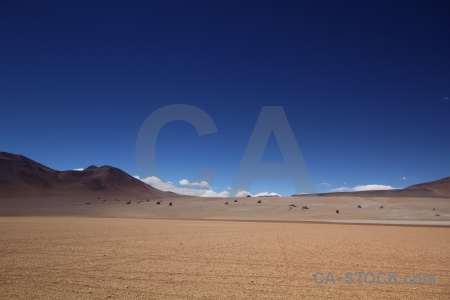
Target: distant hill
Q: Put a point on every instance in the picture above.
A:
(433, 189)
(23, 177)
(440, 186)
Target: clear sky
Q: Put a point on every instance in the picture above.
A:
(365, 86)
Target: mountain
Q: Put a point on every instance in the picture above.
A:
(440, 186)
(433, 189)
(23, 177)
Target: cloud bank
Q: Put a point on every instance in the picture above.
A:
(187, 183)
(198, 189)
(171, 187)
(360, 188)
(262, 194)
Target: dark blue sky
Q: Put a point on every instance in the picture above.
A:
(365, 85)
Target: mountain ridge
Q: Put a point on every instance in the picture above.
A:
(439, 188)
(21, 176)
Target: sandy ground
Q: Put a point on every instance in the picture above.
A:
(396, 210)
(122, 258)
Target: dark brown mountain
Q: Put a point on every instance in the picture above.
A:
(23, 177)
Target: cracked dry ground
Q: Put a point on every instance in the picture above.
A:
(109, 258)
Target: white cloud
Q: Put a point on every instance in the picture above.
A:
(243, 193)
(325, 184)
(266, 194)
(158, 183)
(79, 169)
(171, 187)
(446, 98)
(201, 183)
(185, 190)
(373, 187)
(368, 187)
(211, 193)
(403, 178)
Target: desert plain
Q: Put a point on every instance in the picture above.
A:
(206, 249)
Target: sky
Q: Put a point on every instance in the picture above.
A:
(364, 86)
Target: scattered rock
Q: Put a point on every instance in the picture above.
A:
(88, 203)
(159, 202)
(337, 211)
(226, 203)
(436, 215)
(305, 207)
(129, 202)
(235, 200)
(170, 204)
(434, 208)
(259, 201)
(248, 196)
(359, 206)
(381, 207)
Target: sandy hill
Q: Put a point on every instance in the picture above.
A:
(440, 187)
(23, 177)
(433, 189)
(387, 193)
